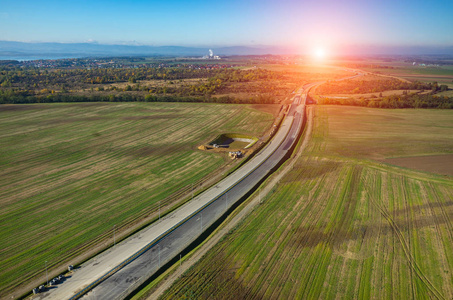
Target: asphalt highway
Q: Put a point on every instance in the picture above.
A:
(119, 270)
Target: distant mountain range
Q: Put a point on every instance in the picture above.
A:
(20, 49)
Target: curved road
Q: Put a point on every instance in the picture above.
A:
(119, 270)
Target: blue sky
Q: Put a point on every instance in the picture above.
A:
(225, 23)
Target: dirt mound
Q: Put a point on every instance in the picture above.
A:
(233, 141)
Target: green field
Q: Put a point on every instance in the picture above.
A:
(384, 133)
(70, 172)
(341, 225)
(442, 74)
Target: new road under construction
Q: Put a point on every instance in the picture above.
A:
(118, 271)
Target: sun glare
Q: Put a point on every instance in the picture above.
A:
(319, 52)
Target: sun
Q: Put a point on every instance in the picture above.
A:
(319, 52)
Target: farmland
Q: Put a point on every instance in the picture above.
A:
(341, 224)
(393, 83)
(71, 173)
(442, 75)
(379, 134)
(425, 69)
(364, 84)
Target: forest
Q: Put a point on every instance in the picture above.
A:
(171, 84)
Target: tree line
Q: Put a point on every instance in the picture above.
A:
(59, 98)
(374, 86)
(34, 77)
(411, 100)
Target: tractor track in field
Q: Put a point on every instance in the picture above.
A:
(397, 247)
(447, 222)
(406, 249)
(75, 173)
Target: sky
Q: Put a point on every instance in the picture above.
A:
(332, 24)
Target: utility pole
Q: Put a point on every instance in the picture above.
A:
(159, 210)
(114, 238)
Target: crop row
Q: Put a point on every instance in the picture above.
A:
(335, 227)
(70, 173)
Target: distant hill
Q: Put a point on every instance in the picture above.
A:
(20, 49)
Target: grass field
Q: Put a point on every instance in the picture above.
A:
(70, 172)
(342, 225)
(442, 75)
(384, 133)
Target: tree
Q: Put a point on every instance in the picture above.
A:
(434, 86)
